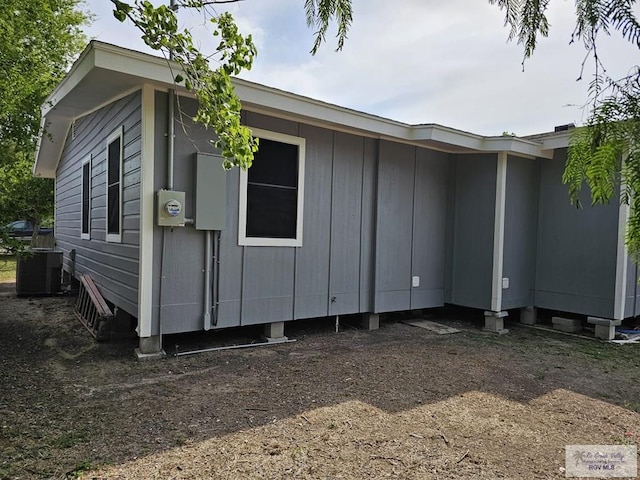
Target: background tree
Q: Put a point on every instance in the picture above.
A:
(39, 40)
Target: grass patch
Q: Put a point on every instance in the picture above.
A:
(68, 440)
(80, 469)
(7, 268)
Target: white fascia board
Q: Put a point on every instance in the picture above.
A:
(446, 135)
(269, 98)
(50, 146)
(138, 64)
(159, 72)
(559, 140)
(82, 66)
(97, 55)
(263, 98)
(552, 140)
(514, 145)
(39, 144)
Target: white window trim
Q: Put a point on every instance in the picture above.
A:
(114, 237)
(85, 236)
(242, 210)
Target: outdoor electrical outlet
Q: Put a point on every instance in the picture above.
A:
(505, 283)
(415, 281)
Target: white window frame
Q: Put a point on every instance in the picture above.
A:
(114, 237)
(243, 240)
(87, 235)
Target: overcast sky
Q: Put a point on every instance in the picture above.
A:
(416, 61)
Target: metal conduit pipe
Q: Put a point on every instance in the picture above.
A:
(170, 162)
(171, 140)
(234, 347)
(216, 276)
(207, 280)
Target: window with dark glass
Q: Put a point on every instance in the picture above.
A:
(114, 166)
(86, 199)
(272, 191)
(271, 201)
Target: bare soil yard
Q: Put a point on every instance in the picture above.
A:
(400, 402)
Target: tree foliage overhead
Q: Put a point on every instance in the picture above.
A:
(218, 105)
(209, 77)
(39, 40)
(320, 14)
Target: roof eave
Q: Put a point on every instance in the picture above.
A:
(126, 68)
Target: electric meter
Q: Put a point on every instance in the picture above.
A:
(170, 208)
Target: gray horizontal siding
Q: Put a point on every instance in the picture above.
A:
(113, 266)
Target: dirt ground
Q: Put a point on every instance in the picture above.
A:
(400, 402)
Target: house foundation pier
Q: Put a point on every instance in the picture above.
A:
(494, 322)
(274, 332)
(605, 328)
(370, 321)
(149, 348)
(529, 315)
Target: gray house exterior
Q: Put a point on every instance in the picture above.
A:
(364, 215)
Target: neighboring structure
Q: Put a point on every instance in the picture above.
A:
(342, 212)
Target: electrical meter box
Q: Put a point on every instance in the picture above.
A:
(170, 208)
(210, 200)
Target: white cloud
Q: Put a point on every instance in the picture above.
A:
(418, 61)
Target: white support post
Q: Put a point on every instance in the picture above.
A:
(145, 264)
(498, 233)
(622, 262)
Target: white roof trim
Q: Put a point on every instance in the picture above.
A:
(126, 69)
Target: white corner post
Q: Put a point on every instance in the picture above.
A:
(149, 340)
(494, 319)
(622, 263)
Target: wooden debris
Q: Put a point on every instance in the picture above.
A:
(466, 454)
(388, 459)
